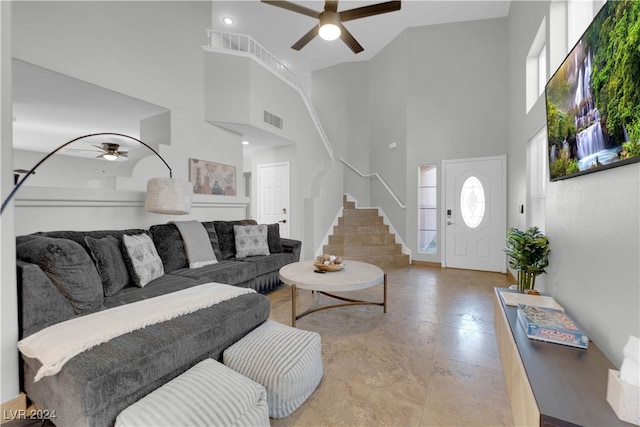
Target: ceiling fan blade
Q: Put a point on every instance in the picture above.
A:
(331, 5)
(83, 149)
(306, 38)
(374, 9)
(123, 154)
(98, 146)
(293, 7)
(350, 41)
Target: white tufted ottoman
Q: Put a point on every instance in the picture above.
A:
(285, 360)
(208, 394)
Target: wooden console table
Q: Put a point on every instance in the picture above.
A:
(550, 384)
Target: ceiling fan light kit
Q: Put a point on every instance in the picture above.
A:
(111, 152)
(330, 21)
(329, 25)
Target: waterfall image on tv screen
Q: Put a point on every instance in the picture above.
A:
(593, 100)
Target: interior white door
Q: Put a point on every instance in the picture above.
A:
(475, 213)
(273, 195)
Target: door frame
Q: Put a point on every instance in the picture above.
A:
(257, 195)
(443, 200)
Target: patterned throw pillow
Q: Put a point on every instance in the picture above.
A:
(145, 261)
(251, 240)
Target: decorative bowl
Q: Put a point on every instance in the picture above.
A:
(330, 267)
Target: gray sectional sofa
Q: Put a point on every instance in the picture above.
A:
(57, 274)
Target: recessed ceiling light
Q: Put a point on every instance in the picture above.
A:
(227, 20)
(245, 142)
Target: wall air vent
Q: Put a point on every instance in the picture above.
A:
(272, 119)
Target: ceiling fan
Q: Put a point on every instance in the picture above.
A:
(330, 20)
(110, 151)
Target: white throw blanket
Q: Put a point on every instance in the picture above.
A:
(56, 344)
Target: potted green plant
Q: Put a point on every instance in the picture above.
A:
(528, 253)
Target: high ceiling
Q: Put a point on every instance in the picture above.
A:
(276, 29)
(44, 101)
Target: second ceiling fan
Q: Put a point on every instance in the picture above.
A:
(330, 21)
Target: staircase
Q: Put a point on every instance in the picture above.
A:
(361, 235)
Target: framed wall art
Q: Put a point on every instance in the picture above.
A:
(212, 178)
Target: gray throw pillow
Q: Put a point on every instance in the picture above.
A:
(273, 238)
(145, 261)
(251, 240)
(170, 247)
(213, 238)
(68, 266)
(107, 256)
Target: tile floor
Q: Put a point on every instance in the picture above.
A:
(431, 360)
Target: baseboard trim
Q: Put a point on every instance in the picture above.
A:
(14, 408)
(426, 264)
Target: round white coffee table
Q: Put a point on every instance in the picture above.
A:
(354, 276)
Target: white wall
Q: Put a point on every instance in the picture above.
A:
(161, 64)
(314, 177)
(341, 98)
(438, 92)
(148, 50)
(388, 75)
(592, 221)
(9, 387)
(456, 105)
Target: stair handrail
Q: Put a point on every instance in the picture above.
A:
(243, 44)
(377, 175)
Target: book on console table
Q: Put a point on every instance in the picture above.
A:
(550, 325)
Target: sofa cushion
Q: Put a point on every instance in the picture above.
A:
(107, 255)
(228, 271)
(67, 265)
(251, 240)
(267, 264)
(226, 236)
(273, 238)
(145, 263)
(162, 285)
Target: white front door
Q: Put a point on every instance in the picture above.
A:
(273, 195)
(475, 213)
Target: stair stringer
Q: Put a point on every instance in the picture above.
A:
(325, 240)
(385, 220)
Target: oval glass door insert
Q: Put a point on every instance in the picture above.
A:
(472, 202)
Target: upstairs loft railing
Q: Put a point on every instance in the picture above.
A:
(245, 45)
(241, 44)
(376, 175)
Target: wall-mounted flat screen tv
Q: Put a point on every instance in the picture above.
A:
(593, 99)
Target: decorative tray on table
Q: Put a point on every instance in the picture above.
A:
(329, 263)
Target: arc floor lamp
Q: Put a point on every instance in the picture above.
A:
(164, 195)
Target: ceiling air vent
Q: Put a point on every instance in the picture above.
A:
(272, 119)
